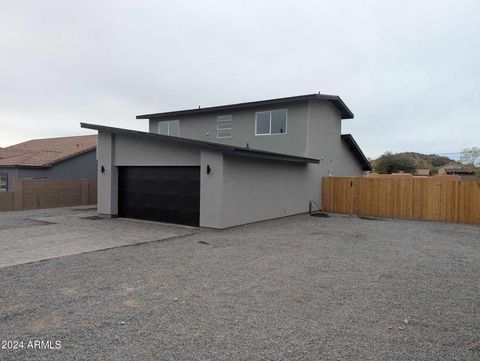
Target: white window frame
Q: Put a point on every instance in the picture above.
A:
(168, 127)
(270, 123)
(4, 175)
(224, 120)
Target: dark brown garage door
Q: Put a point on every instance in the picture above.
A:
(164, 194)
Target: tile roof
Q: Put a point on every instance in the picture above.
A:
(46, 152)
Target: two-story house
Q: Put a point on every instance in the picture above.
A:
(226, 165)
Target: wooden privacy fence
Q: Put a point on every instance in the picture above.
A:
(48, 193)
(410, 198)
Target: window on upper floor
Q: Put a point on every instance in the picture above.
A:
(224, 126)
(271, 122)
(170, 127)
(3, 182)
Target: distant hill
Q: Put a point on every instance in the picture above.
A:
(426, 161)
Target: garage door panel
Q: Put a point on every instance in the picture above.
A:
(170, 186)
(165, 194)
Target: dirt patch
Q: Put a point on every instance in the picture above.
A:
(43, 323)
(131, 303)
(66, 291)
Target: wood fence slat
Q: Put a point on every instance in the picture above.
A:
(409, 198)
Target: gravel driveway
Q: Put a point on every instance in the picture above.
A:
(298, 288)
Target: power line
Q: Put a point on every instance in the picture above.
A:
(456, 125)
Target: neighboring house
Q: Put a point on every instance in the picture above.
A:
(443, 170)
(427, 172)
(465, 173)
(226, 165)
(67, 158)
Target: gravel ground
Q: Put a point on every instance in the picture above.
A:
(298, 288)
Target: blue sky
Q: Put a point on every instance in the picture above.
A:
(409, 70)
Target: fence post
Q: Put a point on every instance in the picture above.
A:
(457, 203)
(353, 182)
(410, 212)
(18, 194)
(83, 192)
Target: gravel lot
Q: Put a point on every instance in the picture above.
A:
(298, 288)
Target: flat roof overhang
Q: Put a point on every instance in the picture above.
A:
(223, 148)
(334, 99)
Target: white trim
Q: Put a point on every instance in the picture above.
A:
(270, 122)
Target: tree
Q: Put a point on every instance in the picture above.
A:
(471, 156)
(394, 163)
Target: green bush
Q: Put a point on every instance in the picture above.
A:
(394, 163)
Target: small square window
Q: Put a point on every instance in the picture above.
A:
(170, 127)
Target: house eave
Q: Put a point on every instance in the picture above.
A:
(357, 152)
(228, 149)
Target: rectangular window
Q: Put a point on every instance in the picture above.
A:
(171, 127)
(271, 122)
(3, 182)
(224, 126)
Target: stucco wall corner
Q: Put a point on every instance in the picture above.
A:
(211, 189)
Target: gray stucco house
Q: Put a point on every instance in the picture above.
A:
(57, 158)
(227, 165)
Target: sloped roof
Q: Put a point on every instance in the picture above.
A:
(224, 148)
(46, 152)
(334, 99)
(357, 152)
(450, 165)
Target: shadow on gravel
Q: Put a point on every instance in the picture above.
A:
(320, 214)
(25, 223)
(92, 218)
(370, 218)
